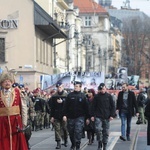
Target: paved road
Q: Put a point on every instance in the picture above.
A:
(44, 139)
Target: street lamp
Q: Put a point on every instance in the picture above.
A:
(76, 36)
(100, 54)
(93, 49)
(105, 59)
(68, 29)
(86, 42)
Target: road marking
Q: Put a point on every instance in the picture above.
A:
(113, 138)
(114, 133)
(112, 142)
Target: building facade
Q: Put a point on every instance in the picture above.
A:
(26, 40)
(96, 33)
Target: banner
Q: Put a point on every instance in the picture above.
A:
(122, 73)
(88, 79)
(110, 84)
(134, 80)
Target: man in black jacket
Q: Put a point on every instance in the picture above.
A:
(103, 111)
(39, 109)
(75, 112)
(126, 103)
(58, 100)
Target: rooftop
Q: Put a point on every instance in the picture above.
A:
(126, 13)
(89, 6)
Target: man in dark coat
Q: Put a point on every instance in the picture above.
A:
(58, 100)
(126, 103)
(75, 112)
(103, 111)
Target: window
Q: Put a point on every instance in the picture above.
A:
(47, 54)
(44, 53)
(87, 21)
(2, 50)
(41, 51)
(89, 61)
(37, 49)
(89, 42)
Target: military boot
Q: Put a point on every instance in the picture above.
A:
(58, 145)
(41, 127)
(99, 145)
(77, 145)
(72, 147)
(104, 146)
(65, 142)
(36, 128)
(28, 144)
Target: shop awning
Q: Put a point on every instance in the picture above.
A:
(45, 22)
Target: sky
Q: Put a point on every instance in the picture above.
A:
(143, 5)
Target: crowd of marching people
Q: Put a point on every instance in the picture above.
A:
(45, 110)
(70, 113)
(53, 109)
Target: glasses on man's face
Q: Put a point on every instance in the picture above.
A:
(123, 87)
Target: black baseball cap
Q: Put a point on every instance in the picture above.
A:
(100, 87)
(15, 85)
(59, 83)
(21, 86)
(77, 82)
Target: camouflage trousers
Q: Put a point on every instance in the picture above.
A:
(38, 120)
(102, 129)
(61, 131)
(47, 120)
(75, 129)
(42, 119)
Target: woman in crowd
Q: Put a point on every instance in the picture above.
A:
(90, 128)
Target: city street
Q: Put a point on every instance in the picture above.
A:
(44, 139)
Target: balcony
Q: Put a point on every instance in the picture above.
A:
(45, 23)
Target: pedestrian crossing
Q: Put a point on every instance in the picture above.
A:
(113, 138)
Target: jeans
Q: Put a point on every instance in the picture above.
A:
(125, 119)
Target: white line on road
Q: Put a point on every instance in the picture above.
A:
(112, 144)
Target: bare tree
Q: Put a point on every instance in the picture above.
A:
(136, 45)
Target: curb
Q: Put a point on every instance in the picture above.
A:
(135, 139)
(84, 145)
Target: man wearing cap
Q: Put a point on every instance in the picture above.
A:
(30, 113)
(75, 112)
(39, 109)
(13, 115)
(60, 126)
(103, 111)
(15, 85)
